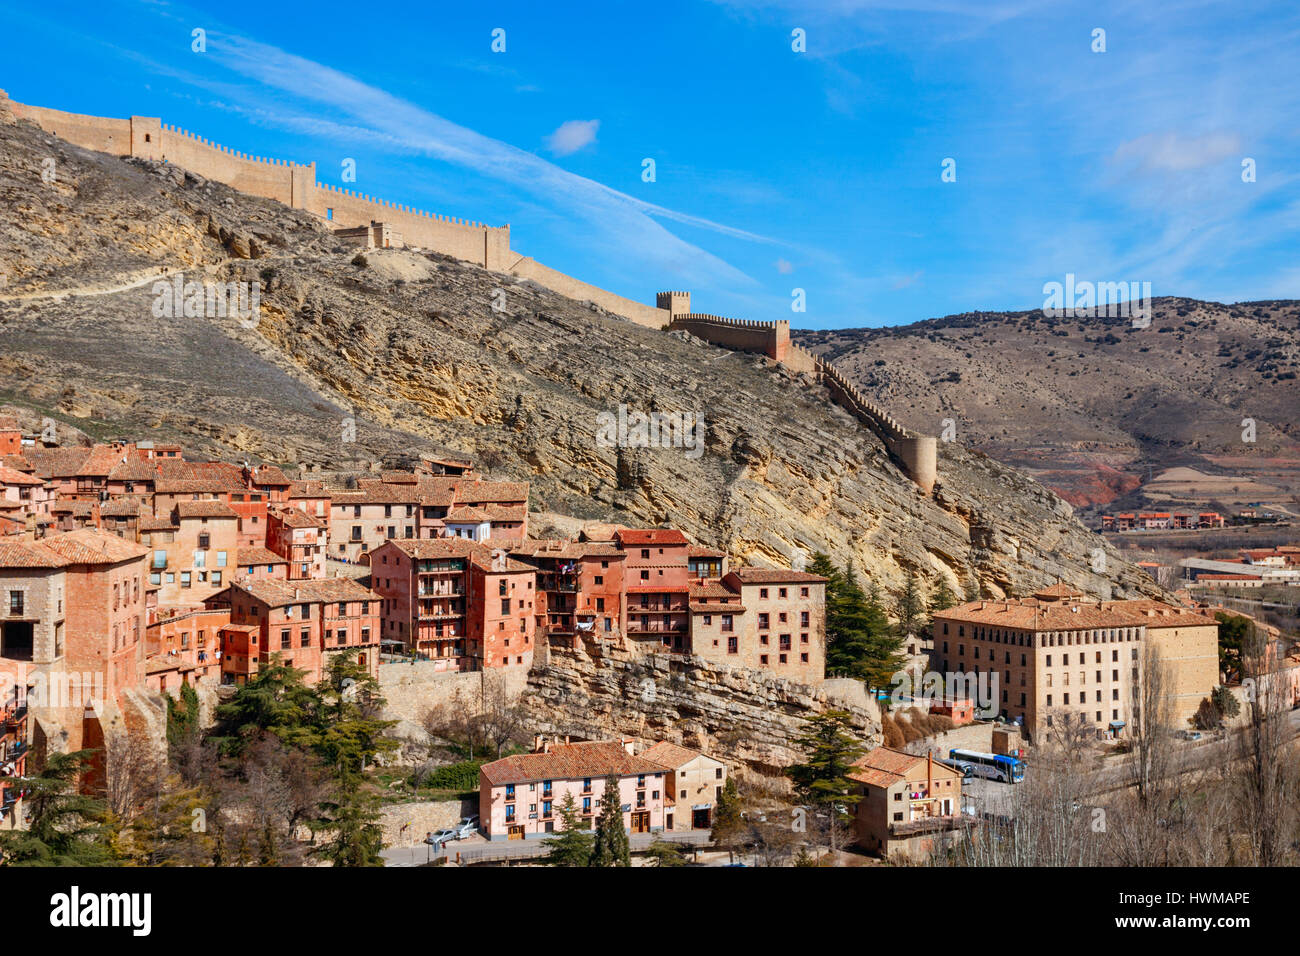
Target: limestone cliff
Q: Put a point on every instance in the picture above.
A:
(749, 718)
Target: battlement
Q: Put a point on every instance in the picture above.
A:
(377, 221)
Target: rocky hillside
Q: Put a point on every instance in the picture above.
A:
(426, 352)
(1093, 406)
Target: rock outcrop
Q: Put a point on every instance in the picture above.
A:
(749, 718)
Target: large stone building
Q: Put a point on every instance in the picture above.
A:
(1057, 653)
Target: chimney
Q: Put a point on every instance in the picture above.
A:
(629, 745)
(537, 743)
(297, 593)
(566, 740)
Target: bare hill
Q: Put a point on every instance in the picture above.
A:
(1094, 406)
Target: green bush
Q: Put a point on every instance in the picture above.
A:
(461, 776)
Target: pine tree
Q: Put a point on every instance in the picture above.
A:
(909, 608)
(612, 847)
(67, 827)
(728, 823)
(943, 596)
(830, 747)
(860, 642)
(573, 846)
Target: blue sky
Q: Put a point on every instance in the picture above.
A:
(775, 169)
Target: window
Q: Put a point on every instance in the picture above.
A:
(286, 640)
(733, 645)
(762, 593)
(15, 602)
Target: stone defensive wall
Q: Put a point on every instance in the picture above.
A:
(641, 314)
(917, 454)
(295, 185)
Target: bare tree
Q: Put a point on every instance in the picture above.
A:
(1268, 780)
(1150, 730)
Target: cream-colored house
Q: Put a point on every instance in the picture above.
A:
(692, 788)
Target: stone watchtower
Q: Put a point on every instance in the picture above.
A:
(677, 303)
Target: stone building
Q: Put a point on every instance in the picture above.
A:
(1057, 653)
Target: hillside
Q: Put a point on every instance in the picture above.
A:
(412, 347)
(1094, 407)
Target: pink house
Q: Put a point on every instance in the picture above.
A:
(520, 797)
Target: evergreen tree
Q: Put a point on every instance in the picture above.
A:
(666, 853)
(822, 780)
(573, 847)
(909, 609)
(612, 847)
(275, 701)
(729, 824)
(943, 596)
(858, 637)
(67, 827)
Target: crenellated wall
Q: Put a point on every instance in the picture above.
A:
(295, 185)
(917, 454)
(746, 335)
(638, 312)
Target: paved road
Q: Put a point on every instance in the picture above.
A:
(479, 850)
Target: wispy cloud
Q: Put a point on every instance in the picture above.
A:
(572, 136)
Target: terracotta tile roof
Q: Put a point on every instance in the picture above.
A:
(638, 537)
(399, 477)
(463, 515)
(296, 518)
(326, 590)
(29, 554)
(270, 476)
(134, 469)
(567, 550)
(600, 531)
(427, 548)
(93, 546)
(101, 460)
(578, 761)
(698, 551)
(712, 607)
(775, 576)
(671, 755)
(156, 523)
(497, 512)
(80, 509)
(10, 476)
(712, 590)
(1058, 615)
(248, 557)
(309, 489)
(204, 509)
(884, 767)
(17, 463)
(120, 508)
(491, 492)
(1058, 590)
(58, 462)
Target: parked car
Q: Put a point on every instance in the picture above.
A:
(467, 827)
(441, 837)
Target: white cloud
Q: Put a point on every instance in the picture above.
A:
(572, 136)
(1171, 152)
(784, 266)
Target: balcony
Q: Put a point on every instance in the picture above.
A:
(927, 825)
(637, 628)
